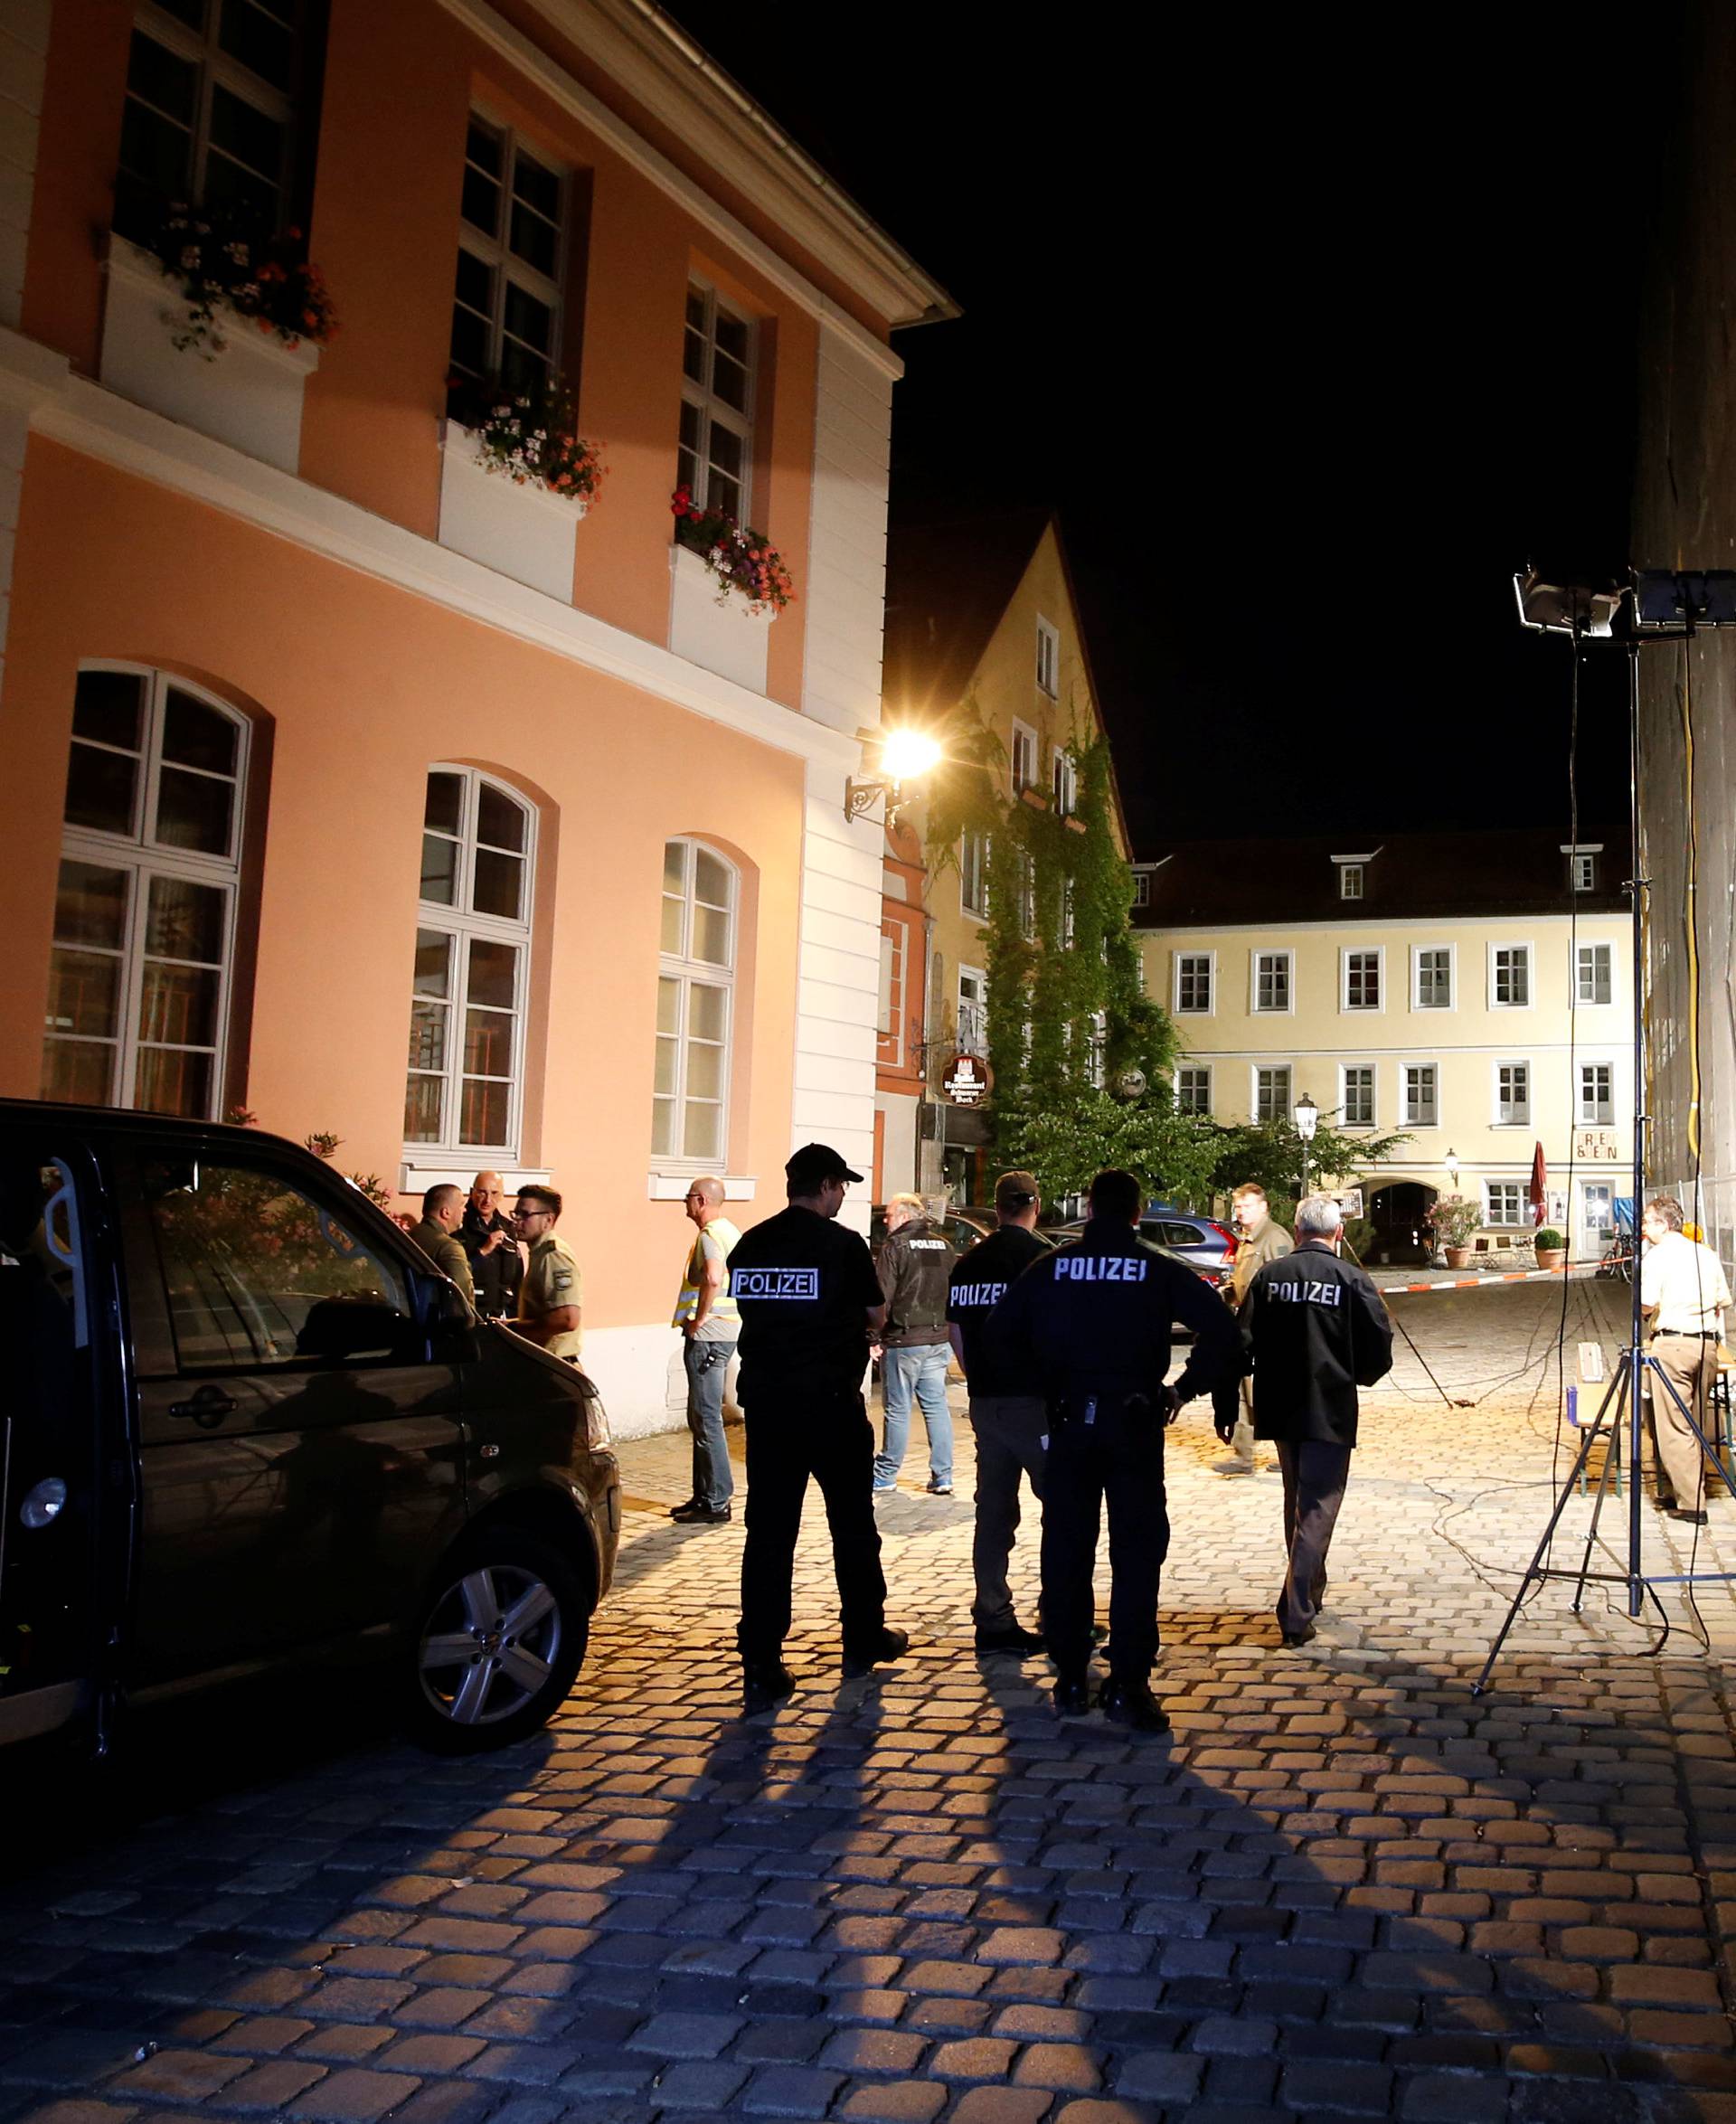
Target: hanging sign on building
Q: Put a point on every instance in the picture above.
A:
(967, 1079)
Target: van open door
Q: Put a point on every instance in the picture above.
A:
(53, 1369)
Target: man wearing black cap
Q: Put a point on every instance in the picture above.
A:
(809, 1302)
(1091, 1322)
(1007, 1416)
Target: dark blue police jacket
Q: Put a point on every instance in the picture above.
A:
(1095, 1315)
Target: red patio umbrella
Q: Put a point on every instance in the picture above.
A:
(1539, 1187)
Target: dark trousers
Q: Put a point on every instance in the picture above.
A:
(1117, 1460)
(829, 1437)
(1009, 1431)
(1315, 1474)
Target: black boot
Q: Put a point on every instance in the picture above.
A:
(1132, 1703)
(1073, 1696)
(764, 1682)
(880, 1651)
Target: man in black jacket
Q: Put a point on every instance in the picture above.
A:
(1316, 1330)
(915, 1263)
(491, 1244)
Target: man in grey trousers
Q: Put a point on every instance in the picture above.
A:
(1316, 1329)
(1009, 1419)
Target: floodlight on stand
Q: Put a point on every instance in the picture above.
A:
(1567, 607)
(906, 755)
(1684, 598)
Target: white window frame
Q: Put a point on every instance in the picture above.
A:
(1522, 1119)
(1142, 888)
(457, 922)
(1021, 757)
(1288, 1008)
(970, 872)
(1410, 1115)
(1531, 973)
(143, 859)
(1255, 1071)
(1582, 1001)
(1593, 1115)
(1417, 951)
(1378, 953)
(1063, 781)
(1048, 658)
(970, 1014)
(218, 69)
(496, 252)
(701, 973)
(1184, 1010)
(1350, 881)
(889, 1024)
(1200, 1070)
(710, 409)
(1345, 1070)
(1511, 1191)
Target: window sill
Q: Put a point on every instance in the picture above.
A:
(519, 529)
(423, 1168)
(664, 1187)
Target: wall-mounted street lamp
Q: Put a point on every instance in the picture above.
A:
(1451, 1162)
(906, 755)
(1307, 1117)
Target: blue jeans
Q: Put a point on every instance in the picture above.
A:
(920, 1372)
(708, 1365)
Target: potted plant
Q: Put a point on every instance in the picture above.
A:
(1550, 1246)
(531, 435)
(1455, 1221)
(740, 559)
(517, 477)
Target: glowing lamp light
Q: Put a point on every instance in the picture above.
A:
(906, 755)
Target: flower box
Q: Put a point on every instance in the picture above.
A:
(720, 632)
(516, 528)
(249, 396)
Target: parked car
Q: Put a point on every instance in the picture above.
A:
(1202, 1242)
(248, 1422)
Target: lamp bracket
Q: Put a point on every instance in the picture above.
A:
(859, 798)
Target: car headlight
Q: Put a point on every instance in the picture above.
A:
(597, 1430)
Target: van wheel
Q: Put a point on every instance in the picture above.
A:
(502, 1637)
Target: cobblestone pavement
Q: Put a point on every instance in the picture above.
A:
(1343, 1887)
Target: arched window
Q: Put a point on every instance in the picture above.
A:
(696, 993)
(145, 913)
(472, 943)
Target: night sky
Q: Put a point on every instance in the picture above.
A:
(1310, 334)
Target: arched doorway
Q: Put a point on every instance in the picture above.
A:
(1397, 1212)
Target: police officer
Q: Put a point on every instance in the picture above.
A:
(810, 1300)
(1316, 1329)
(551, 1297)
(1091, 1323)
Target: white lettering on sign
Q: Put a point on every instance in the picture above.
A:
(931, 1246)
(775, 1283)
(977, 1294)
(1100, 1269)
(1308, 1293)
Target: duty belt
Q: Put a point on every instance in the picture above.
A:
(1085, 1409)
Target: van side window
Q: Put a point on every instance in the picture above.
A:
(259, 1273)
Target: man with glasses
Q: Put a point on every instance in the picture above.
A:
(491, 1247)
(809, 1299)
(550, 1295)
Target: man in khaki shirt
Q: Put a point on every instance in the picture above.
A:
(1260, 1238)
(443, 1213)
(550, 1297)
(1683, 1287)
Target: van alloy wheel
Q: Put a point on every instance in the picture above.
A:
(502, 1637)
(493, 1644)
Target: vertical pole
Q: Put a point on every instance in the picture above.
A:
(1635, 1362)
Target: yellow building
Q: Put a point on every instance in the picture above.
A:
(979, 611)
(1471, 990)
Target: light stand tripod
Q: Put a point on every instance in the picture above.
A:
(1695, 600)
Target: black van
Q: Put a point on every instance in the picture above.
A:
(244, 1420)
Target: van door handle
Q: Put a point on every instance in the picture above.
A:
(207, 1408)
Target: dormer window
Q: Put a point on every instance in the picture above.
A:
(1582, 866)
(1353, 872)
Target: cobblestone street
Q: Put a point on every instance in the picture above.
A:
(1343, 1886)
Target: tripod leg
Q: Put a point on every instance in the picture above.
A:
(1534, 1569)
(1616, 1391)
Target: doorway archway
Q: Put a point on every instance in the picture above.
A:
(1397, 1212)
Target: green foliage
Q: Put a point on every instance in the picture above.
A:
(1270, 1152)
(1455, 1219)
(1061, 969)
(1359, 1237)
(324, 1145)
(1547, 1238)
